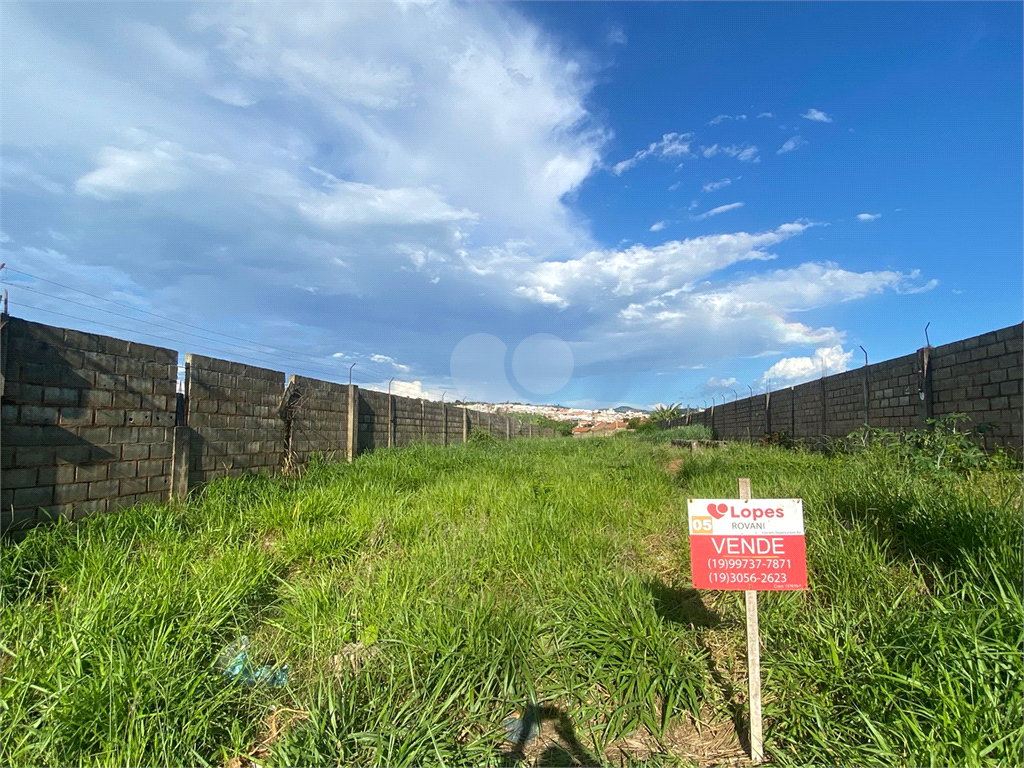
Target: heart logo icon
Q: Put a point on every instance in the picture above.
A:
(717, 511)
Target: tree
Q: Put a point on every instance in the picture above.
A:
(667, 412)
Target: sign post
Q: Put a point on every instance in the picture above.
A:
(748, 545)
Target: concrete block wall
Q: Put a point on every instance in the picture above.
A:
(980, 376)
(895, 389)
(318, 413)
(233, 418)
(87, 422)
(409, 424)
(373, 420)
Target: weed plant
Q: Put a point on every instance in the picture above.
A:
(422, 595)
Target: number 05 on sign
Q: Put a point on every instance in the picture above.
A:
(750, 544)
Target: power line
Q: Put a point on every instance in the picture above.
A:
(285, 358)
(166, 338)
(153, 314)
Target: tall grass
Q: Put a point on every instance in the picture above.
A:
(422, 595)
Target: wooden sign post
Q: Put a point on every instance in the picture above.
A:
(748, 545)
(753, 657)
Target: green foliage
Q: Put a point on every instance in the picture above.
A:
(941, 451)
(667, 412)
(777, 438)
(562, 428)
(648, 427)
(690, 432)
(457, 584)
(479, 437)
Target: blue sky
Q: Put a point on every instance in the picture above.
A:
(581, 203)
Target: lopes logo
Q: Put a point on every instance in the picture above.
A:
(718, 511)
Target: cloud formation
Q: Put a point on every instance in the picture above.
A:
(385, 177)
(672, 145)
(790, 145)
(796, 370)
(711, 186)
(868, 216)
(816, 115)
(718, 210)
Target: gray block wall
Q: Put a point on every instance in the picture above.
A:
(980, 377)
(87, 423)
(318, 418)
(233, 418)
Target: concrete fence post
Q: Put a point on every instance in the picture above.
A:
(768, 413)
(465, 424)
(924, 389)
(444, 423)
(865, 386)
(352, 442)
(423, 420)
(824, 409)
(179, 463)
(508, 427)
(391, 421)
(792, 414)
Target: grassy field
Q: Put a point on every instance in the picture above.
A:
(421, 596)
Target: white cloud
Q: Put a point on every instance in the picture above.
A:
(744, 152)
(351, 203)
(377, 358)
(747, 154)
(674, 187)
(723, 118)
(616, 36)
(232, 94)
(718, 210)
(671, 145)
(4, 238)
(411, 389)
(790, 145)
(658, 226)
(423, 154)
(636, 270)
(795, 370)
(868, 216)
(816, 115)
(541, 295)
(155, 166)
(765, 114)
(711, 186)
(716, 384)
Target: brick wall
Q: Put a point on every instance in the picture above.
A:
(233, 418)
(980, 376)
(87, 423)
(318, 415)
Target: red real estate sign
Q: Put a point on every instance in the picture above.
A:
(752, 544)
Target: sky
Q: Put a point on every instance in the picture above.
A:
(589, 204)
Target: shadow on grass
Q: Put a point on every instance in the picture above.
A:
(570, 753)
(685, 606)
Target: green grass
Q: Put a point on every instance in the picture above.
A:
(691, 432)
(473, 580)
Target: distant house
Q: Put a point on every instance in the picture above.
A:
(600, 429)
